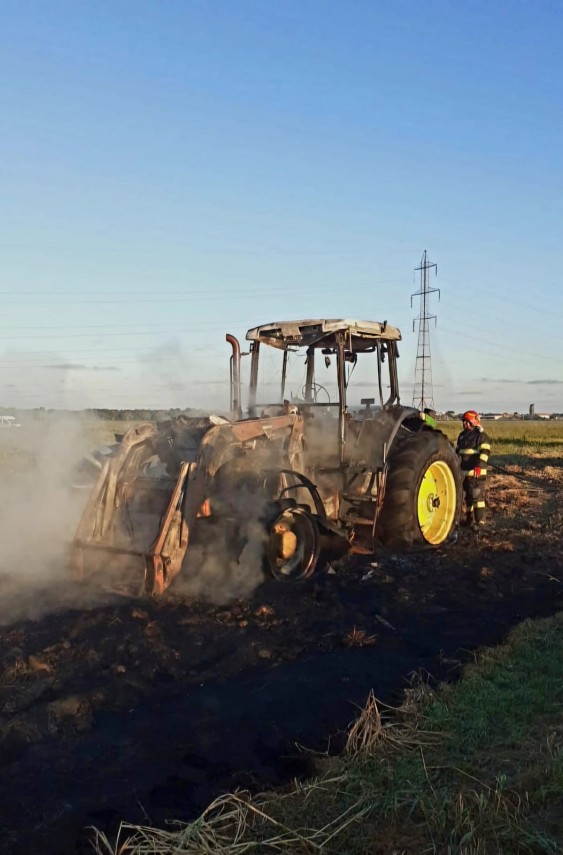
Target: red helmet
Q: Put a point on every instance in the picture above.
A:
(471, 416)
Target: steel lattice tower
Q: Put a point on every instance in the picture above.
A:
(423, 393)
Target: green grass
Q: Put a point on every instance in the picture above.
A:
(515, 682)
(519, 442)
(527, 433)
(475, 769)
(488, 767)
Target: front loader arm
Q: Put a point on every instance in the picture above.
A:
(133, 515)
(97, 515)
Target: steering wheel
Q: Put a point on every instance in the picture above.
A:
(315, 389)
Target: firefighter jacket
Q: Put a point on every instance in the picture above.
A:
(473, 447)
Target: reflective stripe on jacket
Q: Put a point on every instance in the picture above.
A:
(473, 447)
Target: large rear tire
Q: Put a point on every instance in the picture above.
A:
(423, 493)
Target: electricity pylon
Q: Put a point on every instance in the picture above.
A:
(423, 393)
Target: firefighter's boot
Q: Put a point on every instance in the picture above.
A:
(467, 521)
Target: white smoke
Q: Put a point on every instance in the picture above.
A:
(213, 573)
(39, 512)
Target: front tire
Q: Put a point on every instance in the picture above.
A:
(293, 544)
(423, 493)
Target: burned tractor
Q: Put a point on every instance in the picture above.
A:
(311, 464)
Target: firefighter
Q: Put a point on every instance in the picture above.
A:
(473, 447)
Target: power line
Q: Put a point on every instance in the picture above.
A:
(196, 289)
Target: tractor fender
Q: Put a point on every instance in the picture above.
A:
(377, 436)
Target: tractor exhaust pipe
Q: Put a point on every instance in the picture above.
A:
(236, 405)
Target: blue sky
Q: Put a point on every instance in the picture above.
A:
(174, 170)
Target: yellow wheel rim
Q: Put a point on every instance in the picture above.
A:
(436, 502)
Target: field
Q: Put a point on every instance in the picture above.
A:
(148, 710)
(521, 442)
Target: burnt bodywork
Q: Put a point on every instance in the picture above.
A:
(308, 468)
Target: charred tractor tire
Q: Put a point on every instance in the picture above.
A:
(423, 493)
(293, 544)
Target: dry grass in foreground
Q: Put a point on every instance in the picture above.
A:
(474, 769)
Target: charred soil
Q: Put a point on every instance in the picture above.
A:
(148, 709)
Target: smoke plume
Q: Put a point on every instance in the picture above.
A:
(39, 512)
